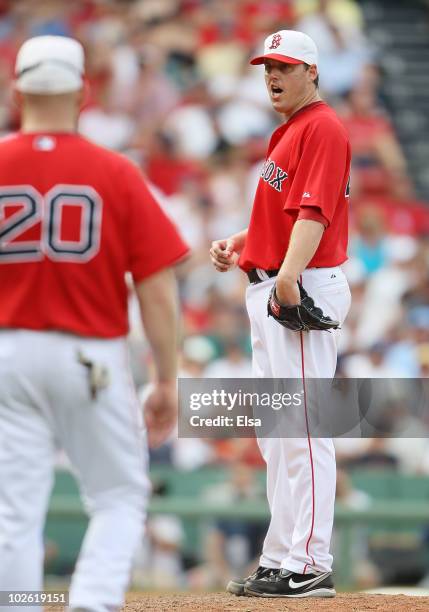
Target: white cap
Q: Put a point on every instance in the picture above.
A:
(49, 65)
(289, 46)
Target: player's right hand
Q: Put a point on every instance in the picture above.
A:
(224, 255)
(160, 412)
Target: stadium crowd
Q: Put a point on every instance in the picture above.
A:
(169, 85)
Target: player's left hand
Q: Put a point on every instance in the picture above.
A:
(305, 316)
(287, 291)
(160, 412)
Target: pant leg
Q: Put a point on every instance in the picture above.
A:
(309, 462)
(26, 469)
(278, 540)
(105, 441)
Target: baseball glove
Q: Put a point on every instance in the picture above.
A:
(302, 317)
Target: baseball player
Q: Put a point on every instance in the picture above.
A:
(291, 252)
(74, 218)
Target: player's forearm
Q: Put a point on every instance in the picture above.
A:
(304, 240)
(158, 305)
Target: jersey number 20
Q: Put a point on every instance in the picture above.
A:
(33, 208)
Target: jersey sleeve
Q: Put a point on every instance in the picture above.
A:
(311, 213)
(322, 172)
(154, 242)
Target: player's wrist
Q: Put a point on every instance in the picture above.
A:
(239, 240)
(287, 278)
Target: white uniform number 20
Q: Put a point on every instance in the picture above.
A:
(33, 208)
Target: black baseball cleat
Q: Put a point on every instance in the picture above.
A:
(288, 584)
(236, 586)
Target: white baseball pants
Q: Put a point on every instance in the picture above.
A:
(45, 403)
(301, 472)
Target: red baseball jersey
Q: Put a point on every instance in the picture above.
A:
(74, 218)
(305, 176)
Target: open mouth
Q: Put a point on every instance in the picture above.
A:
(275, 91)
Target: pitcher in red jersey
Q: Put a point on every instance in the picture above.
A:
(298, 231)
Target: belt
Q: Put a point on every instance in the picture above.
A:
(256, 275)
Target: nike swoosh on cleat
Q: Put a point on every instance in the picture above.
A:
(297, 585)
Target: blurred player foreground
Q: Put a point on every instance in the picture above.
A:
(74, 219)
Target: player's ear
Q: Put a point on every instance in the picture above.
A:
(312, 72)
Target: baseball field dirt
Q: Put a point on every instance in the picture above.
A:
(187, 602)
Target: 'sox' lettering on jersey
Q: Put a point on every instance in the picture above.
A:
(273, 174)
(277, 181)
(268, 170)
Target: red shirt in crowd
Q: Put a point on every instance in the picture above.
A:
(366, 133)
(74, 218)
(305, 176)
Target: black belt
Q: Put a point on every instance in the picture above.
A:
(254, 277)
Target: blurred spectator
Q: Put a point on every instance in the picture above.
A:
(159, 563)
(191, 125)
(223, 41)
(378, 164)
(365, 574)
(369, 244)
(164, 154)
(107, 125)
(354, 453)
(149, 95)
(348, 495)
(197, 352)
(234, 364)
(242, 114)
(336, 28)
(369, 364)
(396, 271)
(231, 544)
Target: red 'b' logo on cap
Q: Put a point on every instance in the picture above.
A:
(276, 41)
